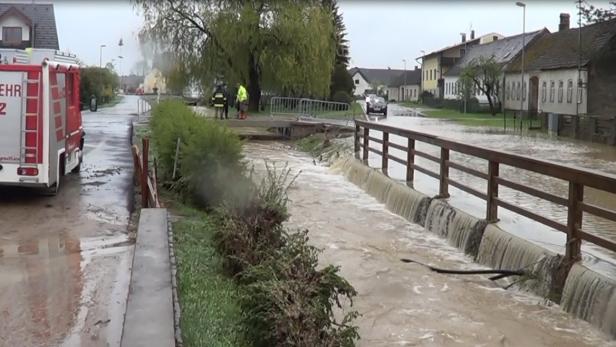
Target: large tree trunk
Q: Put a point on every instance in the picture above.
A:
(254, 84)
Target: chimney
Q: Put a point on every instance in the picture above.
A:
(564, 22)
(463, 37)
(472, 34)
(416, 67)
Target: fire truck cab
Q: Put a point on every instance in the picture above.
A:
(41, 132)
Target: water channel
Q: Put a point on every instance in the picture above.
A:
(564, 151)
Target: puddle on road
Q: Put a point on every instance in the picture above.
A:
(44, 284)
(405, 304)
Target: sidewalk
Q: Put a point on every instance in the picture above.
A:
(406, 304)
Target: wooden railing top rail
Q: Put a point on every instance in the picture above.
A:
(587, 177)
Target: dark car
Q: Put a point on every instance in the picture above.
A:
(376, 104)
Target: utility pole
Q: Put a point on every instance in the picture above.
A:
(465, 48)
(404, 88)
(523, 5)
(579, 67)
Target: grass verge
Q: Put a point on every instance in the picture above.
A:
(211, 313)
(470, 119)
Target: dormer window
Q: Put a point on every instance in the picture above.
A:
(11, 36)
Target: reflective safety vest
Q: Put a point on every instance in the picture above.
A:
(242, 95)
(219, 99)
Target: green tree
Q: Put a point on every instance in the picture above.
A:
(339, 33)
(342, 82)
(592, 14)
(276, 45)
(100, 82)
(485, 75)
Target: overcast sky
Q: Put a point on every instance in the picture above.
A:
(381, 33)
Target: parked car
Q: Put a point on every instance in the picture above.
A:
(376, 104)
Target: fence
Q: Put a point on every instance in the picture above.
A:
(577, 179)
(309, 108)
(149, 189)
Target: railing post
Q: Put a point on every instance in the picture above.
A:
(385, 155)
(366, 144)
(144, 172)
(492, 207)
(356, 143)
(444, 174)
(410, 161)
(573, 251)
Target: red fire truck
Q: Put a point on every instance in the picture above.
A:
(41, 134)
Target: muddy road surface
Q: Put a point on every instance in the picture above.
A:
(65, 260)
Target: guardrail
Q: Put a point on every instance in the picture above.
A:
(310, 108)
(577, 178)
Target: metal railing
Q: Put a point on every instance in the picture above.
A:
(310, 108)
(577, 179)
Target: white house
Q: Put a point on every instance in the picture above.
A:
(552, 82)
(502, 50)
(373, 80)
(406, 87)
(25, 25)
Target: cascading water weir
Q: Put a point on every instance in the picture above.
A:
(399, 198)
(587, 294)
(461, 229)
(590, 296)
(502, 250)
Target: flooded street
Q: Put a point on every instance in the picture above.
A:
(65, 260)
(406, 304)
(561, 150)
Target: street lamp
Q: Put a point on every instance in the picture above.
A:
(100, 63)
(523, 6)
(404, 88)
(120, 67)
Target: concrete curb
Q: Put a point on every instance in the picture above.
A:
(177, 311)
(149, 320)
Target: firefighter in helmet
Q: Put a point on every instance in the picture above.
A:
(219, 101)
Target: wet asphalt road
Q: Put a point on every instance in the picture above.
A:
(65, 260)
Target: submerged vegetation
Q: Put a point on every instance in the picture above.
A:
(258, 282)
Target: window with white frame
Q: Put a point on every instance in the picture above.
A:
(524, 91)
(356, 81)
(569, 91)
(560, 91)
(552, 86)
(580, 92)
(544, 91)
(517, 90)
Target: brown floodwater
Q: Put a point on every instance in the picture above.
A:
(560, 150)
(406, 304)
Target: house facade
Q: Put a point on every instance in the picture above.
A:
(553, 84)
(406, 87)
(502, 51)
(436, 64)
(373, 80)
(28, 25)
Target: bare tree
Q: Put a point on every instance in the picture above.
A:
(485, 75)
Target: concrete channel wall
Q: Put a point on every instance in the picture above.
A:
(586, 294)
(149, 317)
